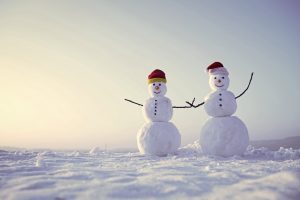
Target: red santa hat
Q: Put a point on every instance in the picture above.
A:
(217, 68)
(157, 76)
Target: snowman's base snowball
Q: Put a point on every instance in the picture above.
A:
(224, 136)
(158, 138)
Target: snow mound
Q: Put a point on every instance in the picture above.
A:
(193, 149)
(264, 153)
(188, 174)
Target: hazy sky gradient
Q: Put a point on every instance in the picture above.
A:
(65, 67)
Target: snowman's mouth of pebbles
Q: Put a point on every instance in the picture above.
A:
(219, 85)
(157, 92)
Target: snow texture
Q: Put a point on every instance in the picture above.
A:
(158, 138)
(224, 136)
(157, 89)
(220, 104)
(219, 82)
(158, 109)
(62, 175)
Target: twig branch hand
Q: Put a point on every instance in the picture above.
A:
(195, 106)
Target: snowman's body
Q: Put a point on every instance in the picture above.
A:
(158, 109)
(222, 134)
(220, 103)
(158, 136)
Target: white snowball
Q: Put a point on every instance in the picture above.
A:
(224, 136)
(220, 103)
(158, 138)
(219, 82)
(157, 89)
(158, 109)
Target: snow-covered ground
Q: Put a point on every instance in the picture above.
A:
(58, 175)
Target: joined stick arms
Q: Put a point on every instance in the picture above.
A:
(192, 104)
(172, 106)
(202, 103)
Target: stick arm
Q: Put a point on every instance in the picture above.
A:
(133, 102)
(247, 87)
(181, 106)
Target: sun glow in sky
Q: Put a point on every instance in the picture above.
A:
(65, 67)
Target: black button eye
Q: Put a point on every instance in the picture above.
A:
(215, 77)
(159, 84)
(223, 77)
(153, 84)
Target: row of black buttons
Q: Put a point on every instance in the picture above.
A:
(155, 107)
(220, 100)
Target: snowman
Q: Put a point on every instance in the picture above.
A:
(222, 134)
(158, 136)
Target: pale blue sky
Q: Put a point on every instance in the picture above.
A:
(65, 67)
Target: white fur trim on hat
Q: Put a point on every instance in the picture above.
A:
(219, 70)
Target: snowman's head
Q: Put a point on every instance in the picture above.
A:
(157, 83)
(218, 76)
(157, 89)
(219, 81)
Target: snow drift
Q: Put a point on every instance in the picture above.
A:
(97, 174)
